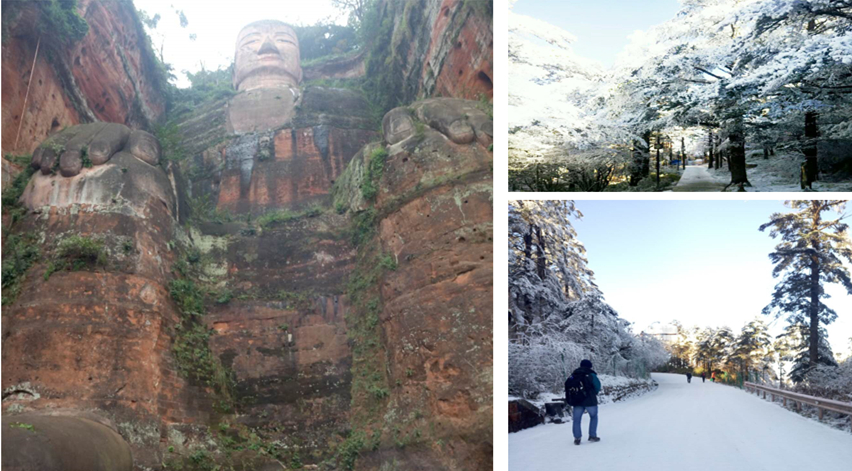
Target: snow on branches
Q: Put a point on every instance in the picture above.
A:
(557, 313)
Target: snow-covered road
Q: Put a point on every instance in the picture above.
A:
(697, 178)
(687, 427)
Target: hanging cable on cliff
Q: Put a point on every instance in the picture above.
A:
(27, 95)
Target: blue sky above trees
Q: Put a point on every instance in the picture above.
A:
(703, 263)
(602, 27)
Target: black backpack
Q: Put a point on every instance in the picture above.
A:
(577, 389)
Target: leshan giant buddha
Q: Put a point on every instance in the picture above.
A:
(267, 72)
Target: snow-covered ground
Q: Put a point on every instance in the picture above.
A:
(778, 173)
(613, 389)
(680, 426)
(697, 178)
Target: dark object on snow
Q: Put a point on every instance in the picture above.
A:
(689, 377)
(523, 415)
(554, 411)
(594, 439)
(576, 441)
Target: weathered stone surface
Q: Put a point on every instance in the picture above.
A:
(294, 169)
(47, 161)
(144, 146)
(461, 120)
(106, 76)
(36, 162)
(108, 141)
(35, 442)
(337, 68)
(435, 198)
(70, 163)
(267, 56)
(262, 109)
(126, 184)
(398, 125)
(460, 63)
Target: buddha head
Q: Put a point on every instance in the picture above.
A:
(267, 56)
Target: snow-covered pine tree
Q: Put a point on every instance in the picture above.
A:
(796, 344)
(557, 313)
(811, 254)
(750, 349)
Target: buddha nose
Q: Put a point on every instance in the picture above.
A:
(268, 48)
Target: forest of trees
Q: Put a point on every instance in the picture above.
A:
(724, 80)
(814, 251)
(557, 315)
(752, 354)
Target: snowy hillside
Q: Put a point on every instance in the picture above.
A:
(549, 84)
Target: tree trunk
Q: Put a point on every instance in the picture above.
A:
(736, 155)
(636, 165)
(541, 259)
(813, 348)
(766, 152)
(646, 156)
(671, 159)
(683, 153)
(658, 161)
(710, 150)
(811, 167)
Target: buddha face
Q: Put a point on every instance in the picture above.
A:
(267, 56)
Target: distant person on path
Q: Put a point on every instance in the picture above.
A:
(581, 392)
(689, 377)
(713, 376)
(703, 377)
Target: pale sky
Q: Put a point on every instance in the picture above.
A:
(216, 24)
(703, 263)
(602, 27)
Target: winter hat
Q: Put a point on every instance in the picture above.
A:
(585, 364)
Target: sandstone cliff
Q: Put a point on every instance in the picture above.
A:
(293, 280)
(110, 75)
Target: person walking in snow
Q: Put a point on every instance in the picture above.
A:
(581, 392)
(713, 377)
(703, 377)
(689, 377)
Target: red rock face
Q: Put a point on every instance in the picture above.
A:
(108, 68)
(100, 340)
(438, 311)
(468, 68)
(303, 167)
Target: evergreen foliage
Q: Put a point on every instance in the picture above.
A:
(811, 254)
(557, 314)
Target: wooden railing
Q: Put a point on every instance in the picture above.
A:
(798, 399)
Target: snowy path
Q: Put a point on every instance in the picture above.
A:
(697, 178)
(694, 427)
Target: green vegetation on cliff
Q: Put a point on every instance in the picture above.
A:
(20, 252)
(58, 24)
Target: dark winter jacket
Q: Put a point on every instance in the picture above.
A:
(592, 399)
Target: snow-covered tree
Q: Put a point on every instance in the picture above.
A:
(557, 313)
(797, 337)
(811, 254)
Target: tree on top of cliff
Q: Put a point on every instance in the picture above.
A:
(325, 39)
(58, 24)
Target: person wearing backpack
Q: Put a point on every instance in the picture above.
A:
(581, 392)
